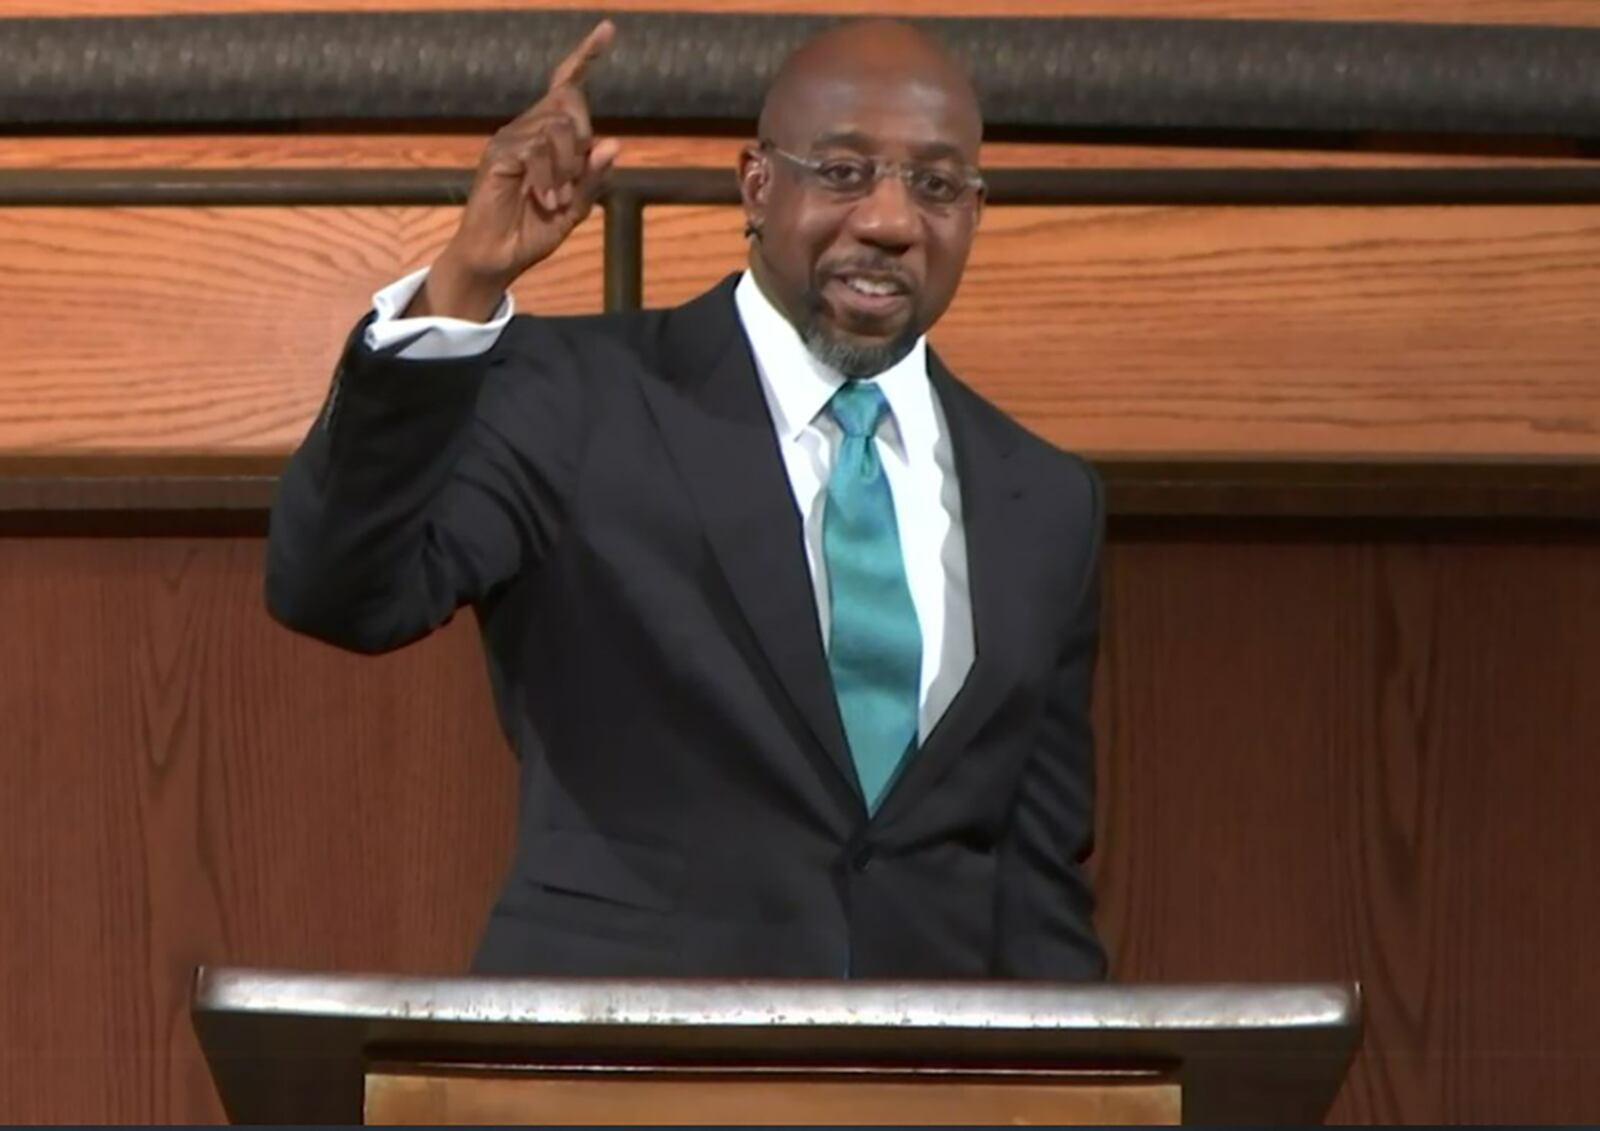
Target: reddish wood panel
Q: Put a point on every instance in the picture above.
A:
(1347, 755)
(187, 783)
(1578, 12)
(1374, 760)
(1444, 331)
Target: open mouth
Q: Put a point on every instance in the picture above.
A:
(870, 297)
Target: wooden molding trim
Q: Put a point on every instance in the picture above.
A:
(117, 492)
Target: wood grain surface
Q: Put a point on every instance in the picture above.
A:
(1327, 330)
(1325, 753)
(1577, 12)
(186, 783)
(207, 329)
(1467, 331)
(454, 151)
(1338, 758)
(624, 1099)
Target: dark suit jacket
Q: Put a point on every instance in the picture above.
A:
(608, 493)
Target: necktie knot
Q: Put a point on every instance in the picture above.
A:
(858, 408)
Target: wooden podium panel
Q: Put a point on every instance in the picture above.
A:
(404, 1096)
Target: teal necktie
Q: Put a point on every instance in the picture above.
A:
(874, 641)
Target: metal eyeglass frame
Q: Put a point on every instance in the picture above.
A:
(971, 180)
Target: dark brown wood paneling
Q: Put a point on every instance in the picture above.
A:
(1331, 757)
(1347, 751)
(187, 783)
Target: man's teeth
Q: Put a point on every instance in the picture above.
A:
(875, 287)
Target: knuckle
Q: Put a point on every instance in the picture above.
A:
(499, 157)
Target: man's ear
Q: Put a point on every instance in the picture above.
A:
(755, 181)
(977, 206)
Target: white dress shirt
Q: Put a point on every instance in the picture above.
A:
(913, 444)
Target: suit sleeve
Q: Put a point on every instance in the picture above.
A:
(1045, 926)
(421, 487)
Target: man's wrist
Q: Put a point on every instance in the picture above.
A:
(448, 292)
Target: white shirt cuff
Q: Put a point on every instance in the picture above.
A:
(432, 338)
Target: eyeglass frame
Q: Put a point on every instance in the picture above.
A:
(972, 182)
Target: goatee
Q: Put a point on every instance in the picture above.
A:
(853, 359)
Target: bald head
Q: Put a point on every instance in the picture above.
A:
(887, 61)
(862, 191)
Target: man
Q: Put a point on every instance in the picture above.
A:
(792, 632)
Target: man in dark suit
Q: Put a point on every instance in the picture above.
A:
(792, 631)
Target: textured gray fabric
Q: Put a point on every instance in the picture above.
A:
(683, 70)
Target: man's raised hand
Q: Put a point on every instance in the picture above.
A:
(536, 181)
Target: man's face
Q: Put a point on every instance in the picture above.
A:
(862, 267)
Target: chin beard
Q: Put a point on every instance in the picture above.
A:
(856, 360)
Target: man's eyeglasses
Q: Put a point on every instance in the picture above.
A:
(851, 177)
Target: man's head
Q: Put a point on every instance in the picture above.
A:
(862, 267)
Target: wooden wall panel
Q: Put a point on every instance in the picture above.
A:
(206, 329)
(1370, 760)
(1362, 754)
(459, 151)
(1577, 12)
(1447, 331)
(1311, 330)
(187, 783)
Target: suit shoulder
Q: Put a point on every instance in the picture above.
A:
(663, 340)
(1049, 457)
(636, 331)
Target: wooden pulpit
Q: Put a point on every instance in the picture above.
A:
(322, 1048)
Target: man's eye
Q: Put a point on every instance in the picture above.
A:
(936, 185)
(842, 174)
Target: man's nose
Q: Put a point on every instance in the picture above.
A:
(887, 216)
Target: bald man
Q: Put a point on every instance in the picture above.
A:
(791, 631)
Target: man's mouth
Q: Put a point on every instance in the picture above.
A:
(868, 298)
(874, 285)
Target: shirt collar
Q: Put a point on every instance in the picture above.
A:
(798, 386)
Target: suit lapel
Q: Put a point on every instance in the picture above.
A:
(992, 518)
(715, 422)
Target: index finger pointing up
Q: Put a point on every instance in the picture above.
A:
(570, 71)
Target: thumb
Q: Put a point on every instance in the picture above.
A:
(602, 156)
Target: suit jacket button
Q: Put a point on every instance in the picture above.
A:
(862, 860)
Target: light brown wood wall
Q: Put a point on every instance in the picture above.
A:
(1376, 331)
(1329, 330)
